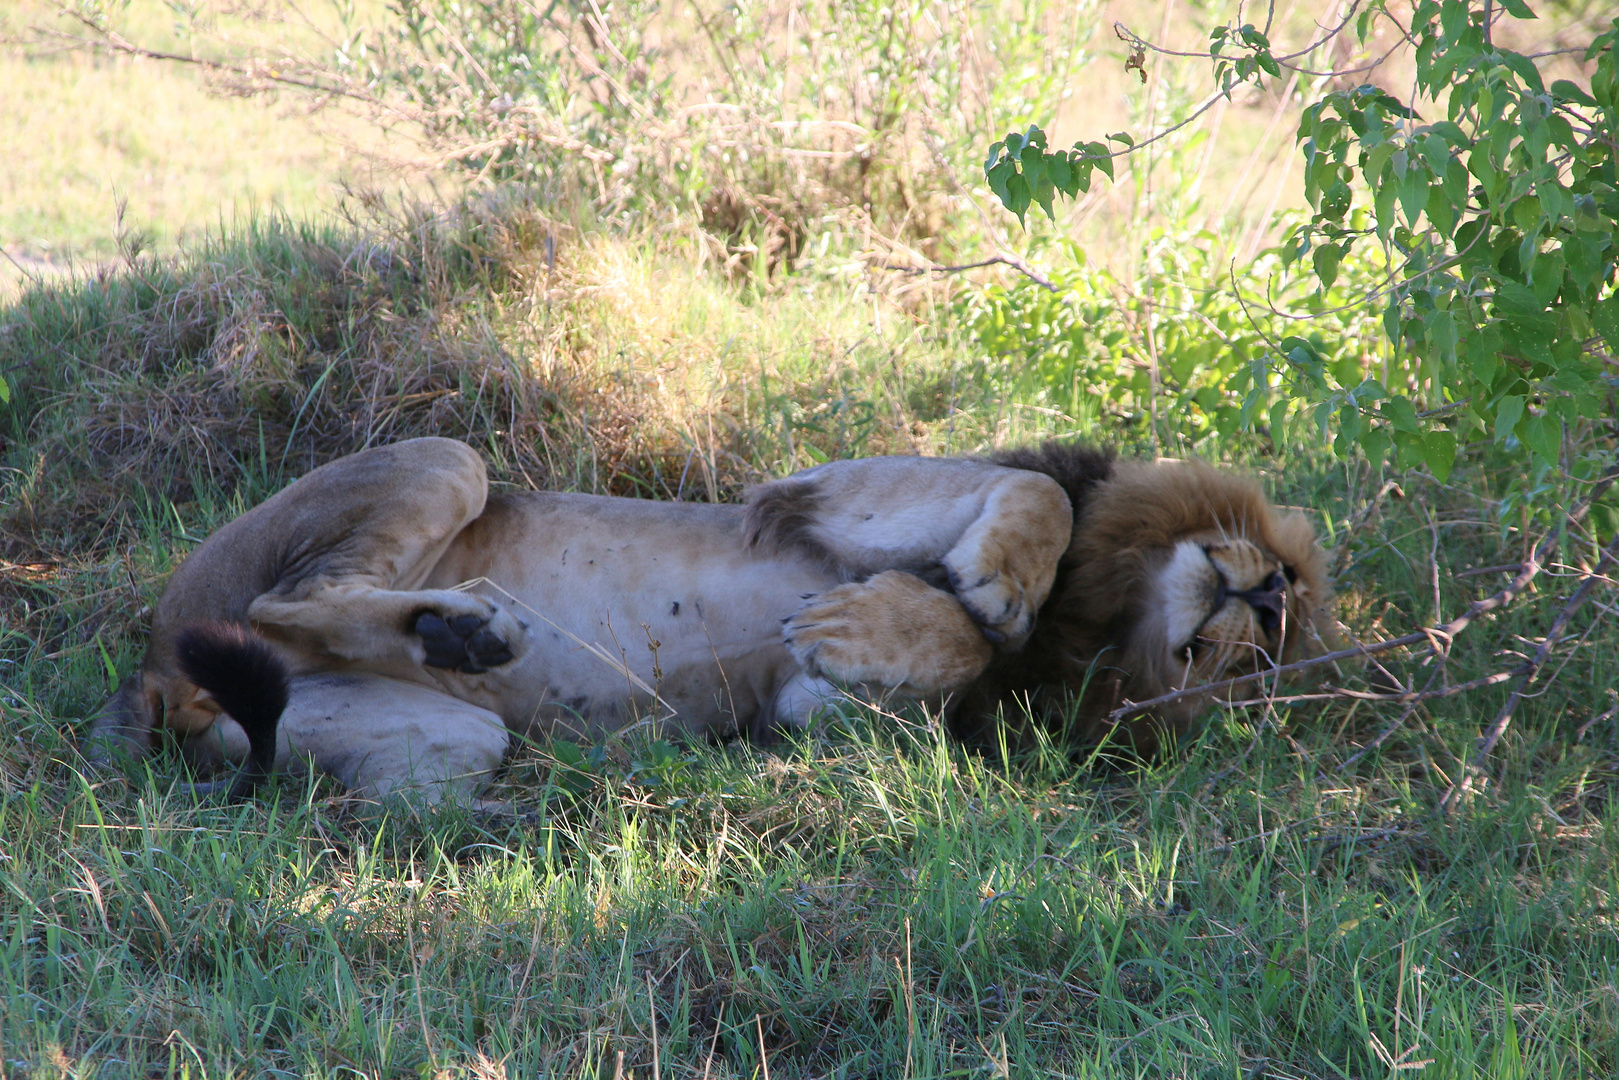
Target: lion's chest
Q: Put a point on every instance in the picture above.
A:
(635, 609)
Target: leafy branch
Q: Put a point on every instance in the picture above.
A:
(1499, 214)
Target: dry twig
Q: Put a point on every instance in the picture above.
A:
(1528, 670)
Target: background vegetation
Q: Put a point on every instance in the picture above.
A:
(698, 248)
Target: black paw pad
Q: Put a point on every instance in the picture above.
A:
(463, 642)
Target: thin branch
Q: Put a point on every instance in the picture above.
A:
(112, 42)
(1503, 718)
(1127, 151)
(1133, 38)
(1338, 693)
(1384, 735)
(999, 260)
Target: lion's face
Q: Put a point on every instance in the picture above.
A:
(1184, 575)
(1226, 607)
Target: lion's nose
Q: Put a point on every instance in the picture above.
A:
(1268, 601)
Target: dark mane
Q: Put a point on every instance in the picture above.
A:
(1077, 466)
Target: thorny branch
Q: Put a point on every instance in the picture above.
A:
(1527, 672)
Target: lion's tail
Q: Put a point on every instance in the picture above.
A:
(249, 680)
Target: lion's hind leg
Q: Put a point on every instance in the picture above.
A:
(383, 737)
(369, 531)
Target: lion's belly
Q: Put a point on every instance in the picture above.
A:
(635, 609)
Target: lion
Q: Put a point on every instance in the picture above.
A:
(407, 626)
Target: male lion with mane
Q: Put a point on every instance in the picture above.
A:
(406, 624)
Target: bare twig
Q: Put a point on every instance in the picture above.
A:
(1613, 695)
(110, 41)
(999, 260)
(1590, 581)
(1383, 736)
(1338, 693)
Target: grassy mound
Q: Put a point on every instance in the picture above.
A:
(868, 901)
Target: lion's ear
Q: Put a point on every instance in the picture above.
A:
(1294, 541)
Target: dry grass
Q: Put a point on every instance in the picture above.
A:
(84, 136)
(589, 362)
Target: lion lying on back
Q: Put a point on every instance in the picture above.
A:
(418, 623)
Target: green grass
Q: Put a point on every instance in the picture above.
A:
(871, 900)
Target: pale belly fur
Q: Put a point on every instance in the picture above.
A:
(635, 610)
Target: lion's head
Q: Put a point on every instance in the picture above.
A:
(1178, 574)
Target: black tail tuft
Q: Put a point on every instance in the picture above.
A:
(250, 681)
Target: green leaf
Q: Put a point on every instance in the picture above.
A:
(1383, 207)
(1544, 437)
(5, 392)
(1467, 237)
(1326, 259)
(998, 178)
(1518, 303)
(1043, 190)
(1374, 443)
(1508, 411)
(1400, 412)
(1378, 158)
(1439, 451)
(1605, 317)
(1103, 157)
(1061, 173)
(1414, 193)
(1033, 160)
(1453, 19)
(1411, 449)
(1018, 195)
(994, 154)
(1350, 427)
(1563, 90)
(1269, 64)
(1442, 332)
(1524, 68)
(1278, 417)
(1526, 213)
(1517, 9)
(1335, 201)
(1122, 137)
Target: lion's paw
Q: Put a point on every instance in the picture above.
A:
(892, 631)
(471, 642)
(996, 600)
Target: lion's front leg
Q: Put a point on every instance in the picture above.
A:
(1003, 566)
(997, 533)
(892, 631)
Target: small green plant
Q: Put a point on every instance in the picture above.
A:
(1186, 359)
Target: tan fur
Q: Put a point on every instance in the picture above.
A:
(891, 632)
(582, 615)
